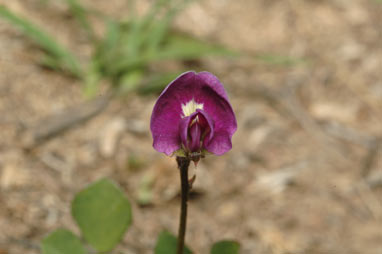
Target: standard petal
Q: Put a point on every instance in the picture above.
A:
(214, 83)
(166, 116)
(216, 105)
(203, 89)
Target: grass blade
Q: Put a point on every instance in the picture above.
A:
(62, 57)
(183, 47)
(108, 50)
(160, 28)
(157, 34)
(80, 13)
(138, 28)
(157, 82)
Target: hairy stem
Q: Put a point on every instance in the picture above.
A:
(183, 164)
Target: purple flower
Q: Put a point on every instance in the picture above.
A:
(193, 115)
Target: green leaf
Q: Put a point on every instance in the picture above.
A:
(103, 214)
(225, 247)
(92, 79)
(160, 28)
(157, 82)
(183, 47)
(166, 244)
(62, 241)
(133, 38)
(157, 33)
(177, 47)
(61, 56)
(145, 193)
(108, 50)
(131, 80)
(80, 13)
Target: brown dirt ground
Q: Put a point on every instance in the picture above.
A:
(304, 175)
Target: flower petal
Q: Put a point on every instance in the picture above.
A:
(220, 144)
(183, 129)
(216, 104)
(206, 90)
(166, 117)
(214, 83)
(205, 122)
(195, 134)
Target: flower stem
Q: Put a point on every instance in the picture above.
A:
(183, 164)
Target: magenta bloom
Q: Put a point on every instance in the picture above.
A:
(193, 113)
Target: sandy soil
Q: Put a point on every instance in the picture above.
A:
(305, 173)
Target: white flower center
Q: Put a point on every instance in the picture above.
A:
(190, 107)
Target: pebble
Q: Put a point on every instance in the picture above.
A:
(12, 176)
(110, 135)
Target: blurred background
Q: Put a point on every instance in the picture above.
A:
(78, 81)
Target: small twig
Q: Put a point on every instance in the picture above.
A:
(57, 123)
(287, 103)
(183, 163)
(25, 243)
(374, 180)
(371, 157)
(278, 180)
(369, 199)
(55, 163)
(343, 132)
(348, 201)
(371, 143)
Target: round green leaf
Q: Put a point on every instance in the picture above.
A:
(62, 242)
(103, 214)
(166, 244)
(225, 247)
